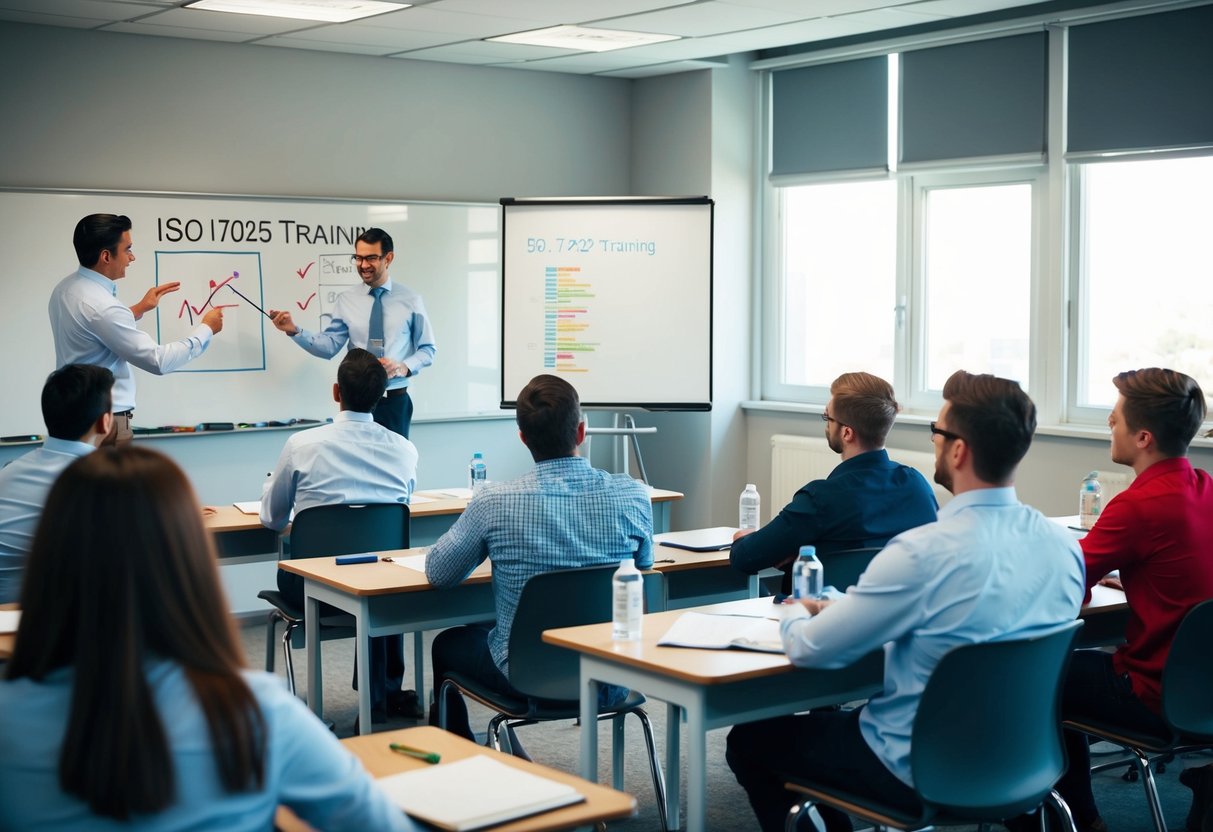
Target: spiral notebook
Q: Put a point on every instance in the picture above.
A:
(698, 540)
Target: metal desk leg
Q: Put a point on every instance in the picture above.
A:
(673, 765)
(363, 642)
(697, 761)
(311, 630)
(419, 667)
(589, 728)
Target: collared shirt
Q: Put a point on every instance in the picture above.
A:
(865, 501)
(306, 768)
(1159, 533)
(24, 484)
(561, 515)
(353, 460)
(989, 569)
(91, 326)
(406, 329)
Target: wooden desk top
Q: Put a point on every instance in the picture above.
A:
(388, 578)
(7, 640)
(601, 803)
(705, 667)
(230, 519)
(710, 667)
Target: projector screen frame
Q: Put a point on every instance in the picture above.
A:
(509, 401)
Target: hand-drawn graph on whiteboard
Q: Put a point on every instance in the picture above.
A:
(214, 280)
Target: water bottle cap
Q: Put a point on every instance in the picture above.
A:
(749, 486)
(808, 551)
(477, 455)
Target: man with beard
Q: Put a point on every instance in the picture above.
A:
(990, 568)
(865, 501)
(384, 318)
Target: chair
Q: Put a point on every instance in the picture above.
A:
(331, 530)
(986, 743)
(1187, 706)
(843, 568)
(549, 675)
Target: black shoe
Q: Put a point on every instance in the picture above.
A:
(406, 704)
(1200, 781)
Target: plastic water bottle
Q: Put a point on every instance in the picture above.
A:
(808, 575)
(1090, 500)
(478, 473)
(748, 506)
(627, 601)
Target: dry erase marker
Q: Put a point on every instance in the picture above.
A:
(428, 756)
(25, 437)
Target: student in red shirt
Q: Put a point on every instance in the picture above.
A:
(1159, 534)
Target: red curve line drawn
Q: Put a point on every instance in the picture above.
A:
(305, 303)
(214, 287)
(306, 269)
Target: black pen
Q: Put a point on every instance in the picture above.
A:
(25, 437)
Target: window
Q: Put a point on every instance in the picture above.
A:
(838, 247)
(1144, 277)
(976, 277)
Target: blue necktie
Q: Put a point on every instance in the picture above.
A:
(374, 336)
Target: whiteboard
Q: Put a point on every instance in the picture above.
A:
(614, 295)
(278, 254)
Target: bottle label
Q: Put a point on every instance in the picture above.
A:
(628, 606)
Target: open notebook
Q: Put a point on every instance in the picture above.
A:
(720, 632)
(475, 792)
(698, 540)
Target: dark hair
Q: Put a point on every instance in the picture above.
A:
(130, 579)
(74, 397)
(97, 233)
(865, 403)
(548, 415)
(1168, 404)
(362, 381)
(996, 419)
(376, 235)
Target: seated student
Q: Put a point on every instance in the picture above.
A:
(126, 702)
(76, 409)
(1159, 534)
(990, 568)
(865, 501)
(563, 514)
(353, 460)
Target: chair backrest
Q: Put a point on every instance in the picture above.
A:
(843, 568)
(562, 598)
(347, 528)
(1187, 679)
(987, 739)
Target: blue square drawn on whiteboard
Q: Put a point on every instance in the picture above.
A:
(208, 279)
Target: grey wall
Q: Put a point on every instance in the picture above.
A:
(126, 112)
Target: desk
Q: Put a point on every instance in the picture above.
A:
(239, 535)
(714, 688)
(601, 803)
(7, 640)
(386, 599)
(718, 688)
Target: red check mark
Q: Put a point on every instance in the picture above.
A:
(306, 269)
(305, 303)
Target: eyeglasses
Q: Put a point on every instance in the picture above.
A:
(946, 434)
(369, 259)
(826, 417)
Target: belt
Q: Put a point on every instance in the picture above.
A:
(126, 413)
(399, 391)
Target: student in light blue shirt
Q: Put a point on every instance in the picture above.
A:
(76, 403)
(127, 704)
(990, 568)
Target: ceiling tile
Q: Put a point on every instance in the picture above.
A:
(701, 19)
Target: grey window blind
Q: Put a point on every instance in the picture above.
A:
(984, 98)
(1141, 82)
(832, 117)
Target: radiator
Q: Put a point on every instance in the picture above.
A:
(796, 460)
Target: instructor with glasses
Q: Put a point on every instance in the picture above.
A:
(387, 319)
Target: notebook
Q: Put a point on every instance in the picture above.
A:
(9, 620)
(720, 632)
(475, 792)
(698, 540)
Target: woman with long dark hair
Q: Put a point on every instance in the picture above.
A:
(127, 701)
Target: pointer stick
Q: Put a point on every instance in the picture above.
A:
(255, 306)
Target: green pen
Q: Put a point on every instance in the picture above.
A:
(428, 756)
